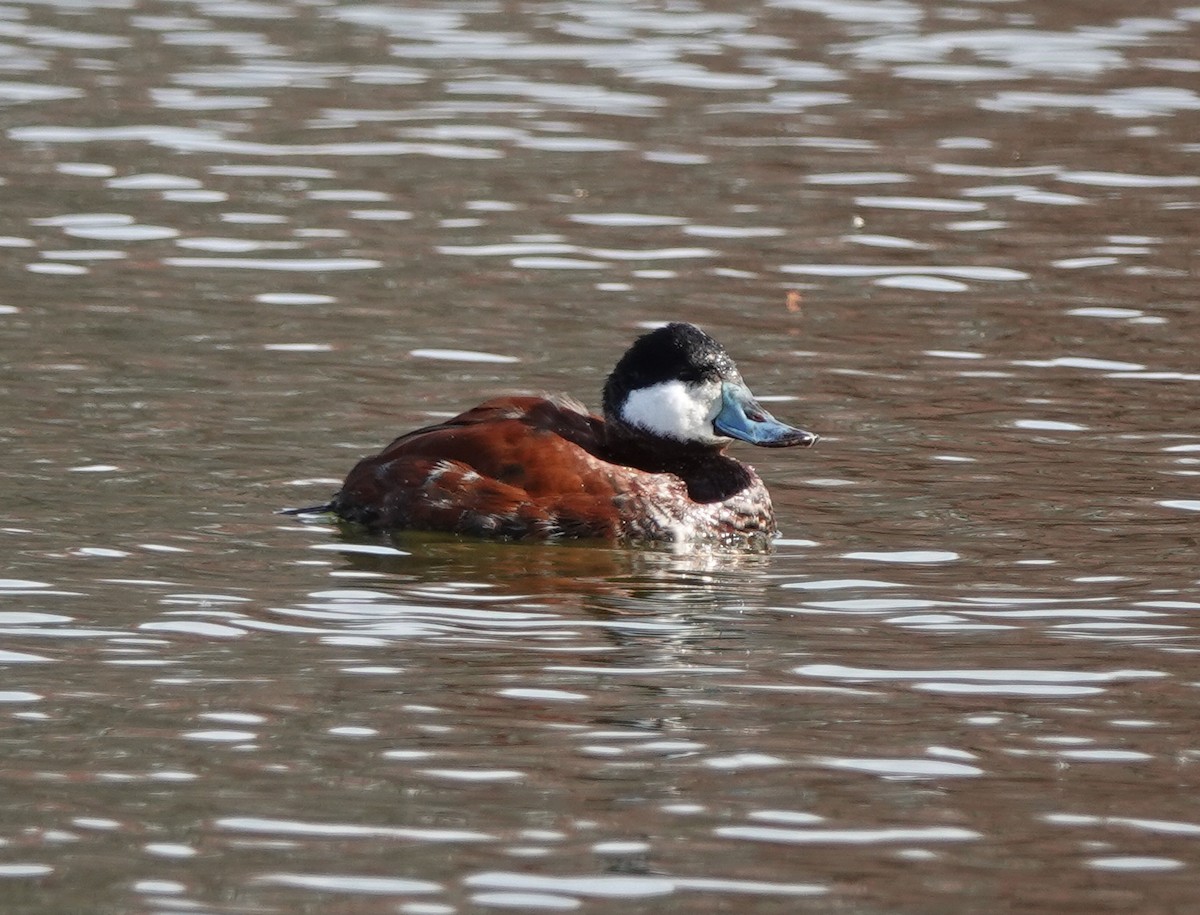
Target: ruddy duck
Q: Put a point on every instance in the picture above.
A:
(653, 469)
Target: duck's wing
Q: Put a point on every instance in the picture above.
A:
(511, 467)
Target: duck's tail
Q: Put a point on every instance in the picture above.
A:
(311, 510)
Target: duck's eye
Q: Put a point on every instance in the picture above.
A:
(696, 376)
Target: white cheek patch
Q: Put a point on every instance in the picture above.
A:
(672, 409)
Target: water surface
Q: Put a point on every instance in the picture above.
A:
(246, 244)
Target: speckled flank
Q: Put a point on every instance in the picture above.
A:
(656, 508)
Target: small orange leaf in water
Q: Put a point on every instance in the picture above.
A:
(793, 300)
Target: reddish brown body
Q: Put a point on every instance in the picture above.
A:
(529, 467)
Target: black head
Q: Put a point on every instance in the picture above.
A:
(673, 352)
(677, 385)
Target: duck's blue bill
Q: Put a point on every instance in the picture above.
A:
(742, 418)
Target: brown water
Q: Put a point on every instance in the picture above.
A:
(247, 243)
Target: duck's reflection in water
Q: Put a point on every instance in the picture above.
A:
(433, 585)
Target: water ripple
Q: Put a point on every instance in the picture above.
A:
(282, 827)
(866, 836)
(997, 274)
(347, 883)
(305, 264)
(616, 886)
(902, 768)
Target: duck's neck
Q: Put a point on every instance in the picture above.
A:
(709, 473)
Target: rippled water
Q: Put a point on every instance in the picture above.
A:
(247, 243)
